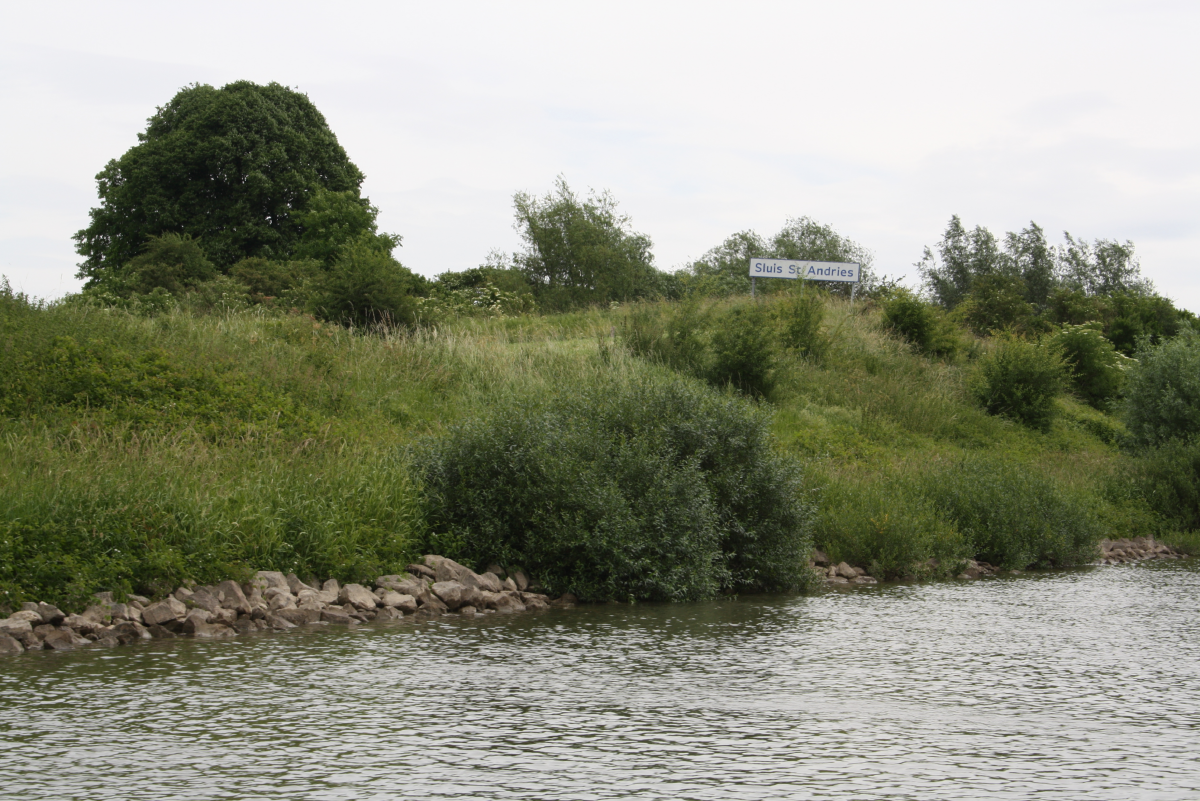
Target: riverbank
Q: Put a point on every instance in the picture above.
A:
(273, 601)
(434, 587)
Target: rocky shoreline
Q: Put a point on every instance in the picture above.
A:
(1112, 552)
(273, 601)
(438, 586)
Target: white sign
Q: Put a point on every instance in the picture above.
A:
(810, 270)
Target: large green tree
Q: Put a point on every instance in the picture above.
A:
(232, 168)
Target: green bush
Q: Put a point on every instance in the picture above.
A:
(996, 303)
(799, 318)
(1012, 516)
(647, 488)
(743, 350)
(171, 262)
(1097, 369)
(1168, 480)
(1162, 398)
(1020, 380)
(886, 524)
(921, 324)
(364, 287)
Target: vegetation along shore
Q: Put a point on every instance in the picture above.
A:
(229, 403)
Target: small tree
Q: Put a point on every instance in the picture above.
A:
(1020, 380)
(581, 252)
(1163, 394)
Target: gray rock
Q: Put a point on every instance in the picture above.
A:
(234, 598)
(837, 580)
(519, 578)
(294, 584)
(509, 585)
(212, 631)
(12, 626)
(164, 611)
(358, 596)
(467, 610)
(384, 613)
(29, 639)
(10, 646)
(300, 616)
(431, 604)
(277, 623)
(28, 606)
(421, 571)
(491, 582)
(447, 570)
(183, 594)
(109, 641)
(223, 616)
(566, 599)
(332, 586)
(159, 632)
(203, 599)
(819, 558)
(397, 600)
(141, 600)
(534, 601)
(127, 631)
(496, 570)
(845, 571)
(863, 580)
(51, 614)
(279, 599)
(338, 616)
(31, 616)
(267, 579)
(245, 625)
(195, 619)
(103, 597)
(61, 640)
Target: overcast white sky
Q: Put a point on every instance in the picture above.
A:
(880, 119)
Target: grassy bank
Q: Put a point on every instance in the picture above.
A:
(137, 452)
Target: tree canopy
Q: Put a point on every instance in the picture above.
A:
(232, 168)
(581, 251)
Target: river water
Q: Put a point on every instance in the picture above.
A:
(1069, 685)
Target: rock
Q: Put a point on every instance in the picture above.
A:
(819, 558)
(203, 599)
(357, 596)
(278, 623)
(973, 572)
(496, 571)
(837, 580)
(491, 582)
(109, 641)
(51, 614)
(858, 571)
(533, 601)
(508, 602)
(103, 597)
(300, 616)
(467, 610)
(195, 619)
(431, 561)
(212, 631)
(245, 625)
(12, 627)
(451, 592)
(863, 580)
(311, 599)
(845, 571)
(268, 579)
(61, 640)
(234, 598)
(159, 632)
(127, 631)
(964, 576)
(447, 570)
(164, 611)
(84, 624)
(294, 584)
(226, 617)
(140, 600)
(566, 600)
(509, 585)
(401, 601)
(406, 585)
(183, 594)
(338, 616)
(384, 613)
(30, 616)
(31, 641)
(10, 646)
(431, 604)
(519, 578)
(421, 571)
(831, 571)
(277, 598)
(28, 606)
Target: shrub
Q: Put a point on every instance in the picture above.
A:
(172, 262)
(1020, 380)
(800, 318)
(921, 324)
(1168, 479)
(1162, 399)
(675, 340)
(996, 303)
(743, 353)
(365, 286)
(648, 488)
(885, 523)
(1012, 516)
(1097, 369)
